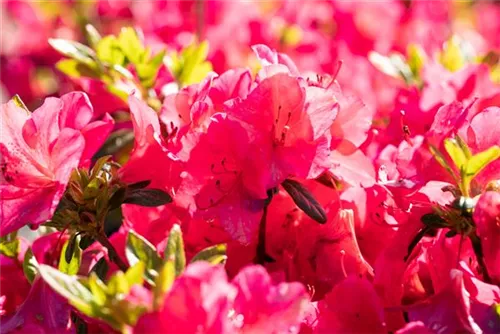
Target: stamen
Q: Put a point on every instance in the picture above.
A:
(342, 264)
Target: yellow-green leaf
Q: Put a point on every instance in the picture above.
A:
(108, 50)
(135, 274)
(118, 284)
(71, 256)
(75, 69)
(18, 102)
(190, 66)
(163, 283)
(139, 249)
(455, 152)
(131, 45)
(214, 254)
(175, 249)
(481, 160)
(69, 287)
(10, 248)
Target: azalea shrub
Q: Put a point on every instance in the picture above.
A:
(275, 166)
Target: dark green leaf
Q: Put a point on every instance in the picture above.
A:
(116, 142)
(451, 234)
(86, 241)
(139, 185)
(117, 198)
(175, 249)
(305, 200)
(433, 220)
(101, 268)
(148, 197)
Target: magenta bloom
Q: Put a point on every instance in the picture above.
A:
(203, 301)
(39, 152)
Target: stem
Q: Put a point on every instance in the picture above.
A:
(478, 250)
(261, 256)
(113, 255)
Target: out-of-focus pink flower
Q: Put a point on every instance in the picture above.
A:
(39, 152)
(202, 300)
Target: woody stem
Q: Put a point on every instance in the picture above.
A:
(113, 255)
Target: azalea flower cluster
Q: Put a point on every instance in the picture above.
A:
(250, 167)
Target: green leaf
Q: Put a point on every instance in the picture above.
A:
(455, 152)
(10, 248)
(305, 200)
(92, 189)
(135, 274)
(481, 160)
(70, 288)
(214, 254)
(416, 59)
(147, 72)
(147, 197)
(30, 265)
(98, 288)
(71, 256)
(76, 69)
(163, 283)
(463, 145)
(93, 35)
(393, 65)
(118, 284)
(18, 102)
(131, 45)
(139, 249)
(74, 50)
(108, 50)
(174, 249)
(442, 161)
(190, 66)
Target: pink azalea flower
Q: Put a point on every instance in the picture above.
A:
(202, 300)
(486, 217)
(150, 158)
(14, 285)
(261, 306)
(39, 152)
(352, 307)
(288, 125)
(42, 310)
